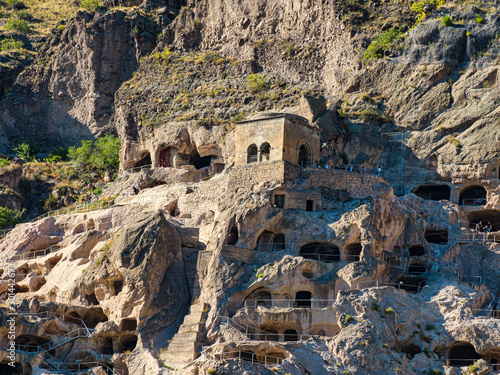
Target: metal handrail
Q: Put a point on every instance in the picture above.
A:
(130, 170)
(3, 232)
(255, 358)
(82, 208)
(273, 247)
(36, 253)
(474, 202)
(289, 303)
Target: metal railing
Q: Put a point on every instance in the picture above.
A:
(479, 237)
(255, 334)
(273, 247)
(82, 208)
(3, 232)
(474, 202)
(289, 303)
(135, 169)
(487, 313)
(331, 258)
(249, 357)
(36, 253)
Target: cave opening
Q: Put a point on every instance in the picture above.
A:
(144, 159)
(439, 237)
(411, 284)
(233, 237)
(93, 317)
(352, 252)
(474, 195)
(436, 192)
(107, 346)
(416, 269)
(92, 299)
(487, 217)
(200, 161)
(303, 299)
(118, 286)
(73, 317)
(127, 342)
(291, 335)
(323, 252)
(416, 251)
(128, 324)
(462, 354)
(17, 369)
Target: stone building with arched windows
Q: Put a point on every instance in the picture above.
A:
(277, 137)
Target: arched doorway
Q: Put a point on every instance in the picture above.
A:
(462, 354)
(323, 252)
(474, 195)
(259, 298)
(486, 217)
(232, 239)
(265, 152)
(303, 299)
(269, 241)
(252, 154)
(166, 157)
(304, 155)
(433, 192)
(352, 252)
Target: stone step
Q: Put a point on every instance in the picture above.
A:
(181, 353)
(194, 327)
(186, 337)
(189, 236)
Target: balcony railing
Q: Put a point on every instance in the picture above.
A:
(474, 202)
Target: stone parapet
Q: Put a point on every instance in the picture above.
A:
(358, 185)
(251, 174)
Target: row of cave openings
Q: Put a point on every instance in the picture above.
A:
(166, 159)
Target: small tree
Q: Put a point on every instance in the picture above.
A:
(9, 218)
(90, 5)
(27, 151)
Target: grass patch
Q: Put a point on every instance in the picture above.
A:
(383, 42)
(10, 43)
(18, 25)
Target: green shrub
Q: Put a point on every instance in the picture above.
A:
(260, 275)
(4, 162)
(18, 25)
(447, 21)
(100, 155)
(27, 151)
(97, 191)
(162, 57)
(51, 203)
(9, 218)
(61, 27)
(15, 4)
(389, 310)
(211, 371)
(479, 19)
(60, 152)
(348, 318)
(23, 14)
(473, 368)
(256, 82)
(90, 5)
(53, 159)
(383, 42)
(10, 43)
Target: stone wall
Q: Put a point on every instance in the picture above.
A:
(203, 197)
(255, 173)
(358, 185)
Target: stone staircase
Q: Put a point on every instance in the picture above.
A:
(187, 342)
(190, 259)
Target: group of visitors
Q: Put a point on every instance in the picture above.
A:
(487, 228)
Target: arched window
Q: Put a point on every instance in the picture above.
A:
(252, 154)
(265, 151)
(264, 242)
(473, 196)
(416, 251)
(304, 155)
